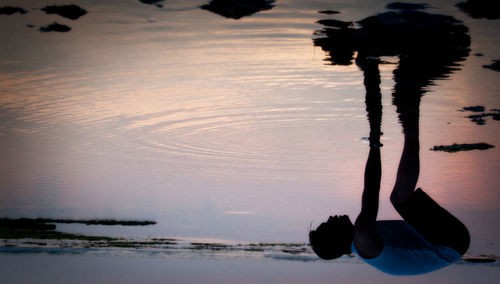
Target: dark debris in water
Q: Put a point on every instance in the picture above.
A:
(10, 10)
(105, 222)
(72, 12)
(495, 66)
(55, 27)
(479, 259)
(462, 147)
(210, 246)
(479, 118)
(329, 12)
(294, 251)
(25, 223)
(139, 244)
(407, 6)
(25, 228)
(335, 23)
(44, 228)
(473, 108)
(153, 2)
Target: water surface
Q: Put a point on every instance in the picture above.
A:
(224, 129)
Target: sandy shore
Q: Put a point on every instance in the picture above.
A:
(44, 268)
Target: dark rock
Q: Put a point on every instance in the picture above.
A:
(237, 9)
(479, 119)
(495, 66)
(495, 116)
(479, 54)
(106, 222)
(152, 2)
(406, 6)
(477, 9)
(329, 12)
(55, 27)
(477, 116)
(72, 12)
(9, 10)
(479, 259)
(462, 147)
(335, 23)
(473, 108)
(30, 26)
(25, 223)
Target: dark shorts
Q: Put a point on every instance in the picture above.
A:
(433, 222)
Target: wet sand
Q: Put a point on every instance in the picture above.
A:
(42, 268)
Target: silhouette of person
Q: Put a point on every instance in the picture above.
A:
(429, 237)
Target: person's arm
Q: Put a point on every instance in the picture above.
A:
(366, 239)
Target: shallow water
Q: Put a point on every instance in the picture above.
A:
(127, 269)
(224, 129)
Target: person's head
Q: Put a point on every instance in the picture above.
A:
(332, 238)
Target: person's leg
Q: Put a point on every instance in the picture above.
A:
(408, 169)
(433, 222)
(406, 97)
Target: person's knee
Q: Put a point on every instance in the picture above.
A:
(399, 197)
(394, 199)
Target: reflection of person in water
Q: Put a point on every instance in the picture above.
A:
(429, 237)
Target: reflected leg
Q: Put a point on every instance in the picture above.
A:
(408, 169)
(407, 93)
(432, 221)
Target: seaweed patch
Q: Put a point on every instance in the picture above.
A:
(479, 117)
(72, 12)
(55, 27)
(9, 10)
(495, 66)
(462, 147)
